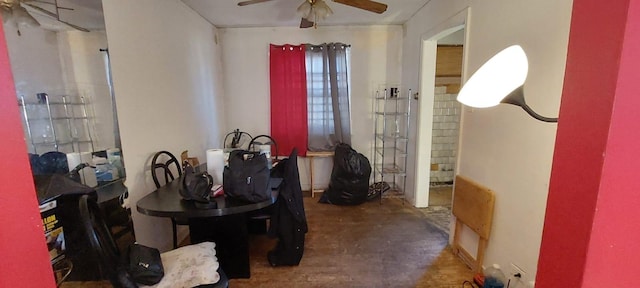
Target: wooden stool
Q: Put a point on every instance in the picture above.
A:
(311, 155)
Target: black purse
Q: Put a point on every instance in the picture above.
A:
(145, 266)
(247, 177)
(196, 186)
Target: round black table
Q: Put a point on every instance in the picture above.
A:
(167, 202)
(226, 224)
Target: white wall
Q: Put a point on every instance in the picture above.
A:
(502, 147)
(62, 63)
(167, 82)
(35, 60)
(85, 72)
(456, 38)
(375, 59)
(36, 67)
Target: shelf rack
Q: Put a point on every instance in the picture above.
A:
(391, 140)
(62, 122)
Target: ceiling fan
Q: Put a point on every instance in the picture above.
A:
(314, 10)
(17, 10)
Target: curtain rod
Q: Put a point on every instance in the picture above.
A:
(311, 45)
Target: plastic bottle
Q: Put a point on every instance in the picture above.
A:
(494, 277)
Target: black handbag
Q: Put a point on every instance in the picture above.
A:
(145, 266)
(247, 177)
(196, 186)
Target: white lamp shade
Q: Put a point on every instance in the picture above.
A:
(498, 77)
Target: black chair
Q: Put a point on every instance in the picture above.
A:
(118, 218)
(169, 165)
(237, 140)
(107, 256)
(264, 140)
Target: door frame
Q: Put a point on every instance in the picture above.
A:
(429, 43)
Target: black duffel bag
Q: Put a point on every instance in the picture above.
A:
(247, 177)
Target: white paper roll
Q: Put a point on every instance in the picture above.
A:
(266, 150)
(75, 159)
(88, 177)
(215, 164)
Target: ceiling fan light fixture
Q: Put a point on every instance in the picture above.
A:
(304, 10)
(321, 10)
(12, 9)
(314, 10)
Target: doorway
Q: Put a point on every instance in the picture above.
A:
(430, 133)
(446, 118)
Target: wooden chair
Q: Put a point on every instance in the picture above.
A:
(107, 256)
(169, 165)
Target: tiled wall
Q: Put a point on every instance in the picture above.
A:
(444, 144)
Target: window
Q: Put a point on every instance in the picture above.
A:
(310, 103)
(327, 95)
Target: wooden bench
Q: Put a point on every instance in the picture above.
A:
(311, 155)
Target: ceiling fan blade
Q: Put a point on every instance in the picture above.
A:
(249, 2)
(304, 23)
(373, 6)
(56, 16)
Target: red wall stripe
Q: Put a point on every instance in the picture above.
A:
(615, 236)
(596, 123)
(24, 259)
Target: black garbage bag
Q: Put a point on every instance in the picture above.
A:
(51, 186)
(49, 163)
(349, 183)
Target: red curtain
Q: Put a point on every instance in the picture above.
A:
(288, 98)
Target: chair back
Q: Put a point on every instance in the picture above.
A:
(263, 140)
(237, 140)
(168, 163)
(97, 233)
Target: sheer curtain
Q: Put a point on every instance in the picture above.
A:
(288, 98)
(327, 96)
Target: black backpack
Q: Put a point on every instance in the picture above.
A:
(247, 177)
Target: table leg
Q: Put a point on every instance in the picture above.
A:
(231, 238)
(311, 176)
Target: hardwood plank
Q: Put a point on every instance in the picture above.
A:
(371, 245)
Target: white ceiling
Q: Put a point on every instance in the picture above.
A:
(278, 13)
(227, 14)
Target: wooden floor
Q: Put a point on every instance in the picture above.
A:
(370, 245)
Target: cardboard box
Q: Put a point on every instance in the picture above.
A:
(193, 161)
(53, 232)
